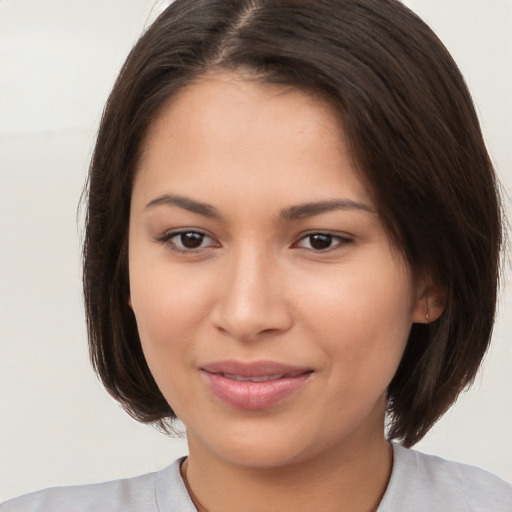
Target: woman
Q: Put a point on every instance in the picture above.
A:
(293, 237)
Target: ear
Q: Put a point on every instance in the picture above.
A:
(130, 302)
(430, 303)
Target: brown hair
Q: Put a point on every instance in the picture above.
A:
(413, 133)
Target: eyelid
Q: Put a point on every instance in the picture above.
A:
(343, 240)
(166, 238)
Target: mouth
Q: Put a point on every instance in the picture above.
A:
(256, 385)
(263, 378)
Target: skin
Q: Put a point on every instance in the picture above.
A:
(256, 289)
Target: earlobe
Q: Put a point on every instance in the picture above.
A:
(429, 305)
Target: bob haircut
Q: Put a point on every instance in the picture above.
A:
(415, 140)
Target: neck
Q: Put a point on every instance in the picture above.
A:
(349, 478)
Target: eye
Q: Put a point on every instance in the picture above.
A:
(321, 241)
(188, 241)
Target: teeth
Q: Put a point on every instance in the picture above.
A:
(266, 377)
(263, 378)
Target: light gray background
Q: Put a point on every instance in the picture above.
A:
(58, 60)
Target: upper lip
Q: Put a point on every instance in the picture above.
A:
(254, 369)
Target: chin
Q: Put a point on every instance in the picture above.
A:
(264, 446)
(261, 456)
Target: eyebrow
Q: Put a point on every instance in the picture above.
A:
(311, 209)
(292, 213)
(186, 203)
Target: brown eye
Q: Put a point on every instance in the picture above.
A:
(190, 240)
(322, 241)
(187, 241)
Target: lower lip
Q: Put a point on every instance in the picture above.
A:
(253, 395)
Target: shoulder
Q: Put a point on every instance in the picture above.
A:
(162, 490)
(421, 483)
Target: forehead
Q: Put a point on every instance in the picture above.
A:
(251, 136)
(237, 100)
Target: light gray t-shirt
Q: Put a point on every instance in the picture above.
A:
(419, 483)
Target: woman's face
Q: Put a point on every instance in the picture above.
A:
(272, 309)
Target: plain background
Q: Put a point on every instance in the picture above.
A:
(58, 60)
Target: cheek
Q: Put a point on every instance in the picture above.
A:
(170, 306)
(362, 317)
(168, 313)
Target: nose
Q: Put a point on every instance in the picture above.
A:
(251, 297)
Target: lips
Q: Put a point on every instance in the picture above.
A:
(242, 378)
(256, 385)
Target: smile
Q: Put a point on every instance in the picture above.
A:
(253, 386)
(241, 378)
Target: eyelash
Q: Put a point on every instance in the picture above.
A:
(168, 239)
(341, 241)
